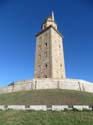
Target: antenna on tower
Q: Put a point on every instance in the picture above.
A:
(53, 18)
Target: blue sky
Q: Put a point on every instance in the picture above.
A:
(20, 20)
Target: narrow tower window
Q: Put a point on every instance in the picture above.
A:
(46, 44)
(46, 65)
(45, 76)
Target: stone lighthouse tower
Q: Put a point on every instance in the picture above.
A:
(49, 61)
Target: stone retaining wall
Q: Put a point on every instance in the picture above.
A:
(36, 84)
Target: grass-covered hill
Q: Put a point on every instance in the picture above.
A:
(47, 97)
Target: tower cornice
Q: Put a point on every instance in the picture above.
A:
(47, 29)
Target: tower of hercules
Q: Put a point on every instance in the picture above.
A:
(49, 60)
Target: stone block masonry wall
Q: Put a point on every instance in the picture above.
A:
(18, 86)
(36, 84)
(69, 84)
(45, 84)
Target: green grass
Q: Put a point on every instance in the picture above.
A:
(45, 118)
(47, 97)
